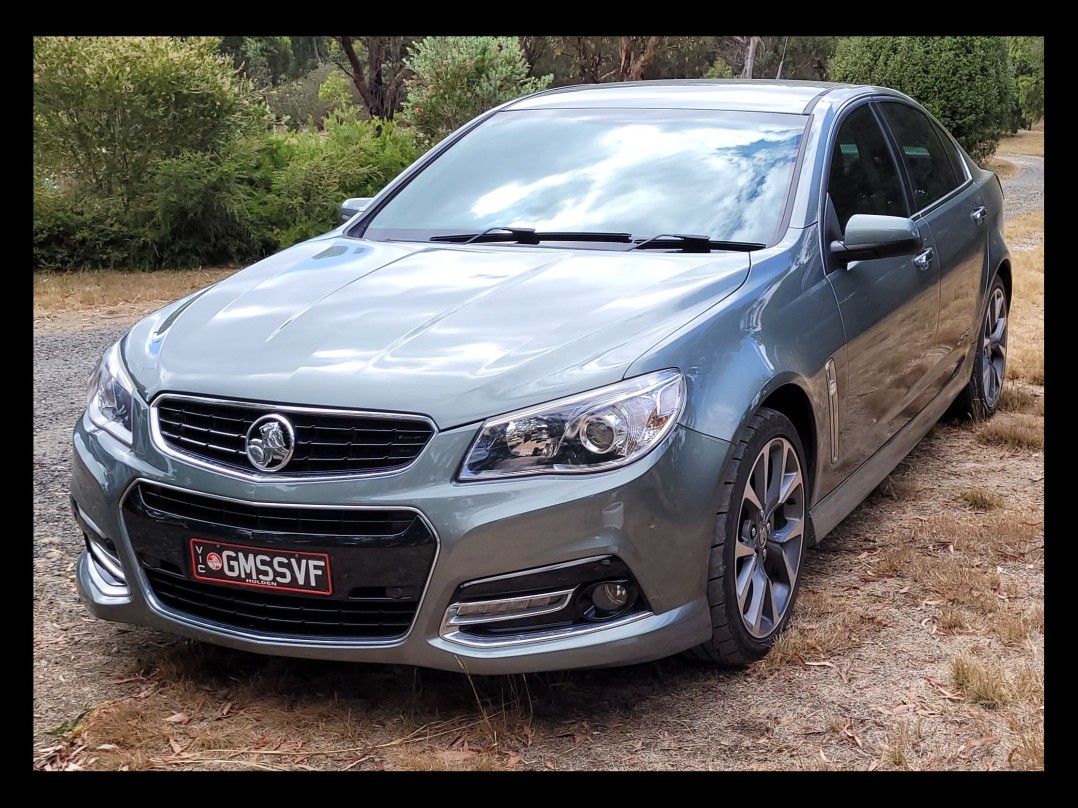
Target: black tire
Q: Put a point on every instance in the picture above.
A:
(733, 641)
(980, 397)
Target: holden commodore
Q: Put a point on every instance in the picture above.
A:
(577, 389)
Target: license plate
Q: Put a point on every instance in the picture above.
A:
(261, 567)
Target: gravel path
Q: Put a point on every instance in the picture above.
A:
(74, 655)
(1024, 192)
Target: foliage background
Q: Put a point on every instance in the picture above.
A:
(155, 152)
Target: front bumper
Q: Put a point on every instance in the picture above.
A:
(655, 515)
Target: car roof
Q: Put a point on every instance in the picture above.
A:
(797, 97)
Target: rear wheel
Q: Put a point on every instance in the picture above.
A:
(980, 398)
(760, 536)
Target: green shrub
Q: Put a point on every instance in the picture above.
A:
(106, 108)
(965, 81)
(150, 153)
(317, 170)
(459, 77)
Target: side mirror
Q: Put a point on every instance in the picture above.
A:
(869, 236)
(350, 207)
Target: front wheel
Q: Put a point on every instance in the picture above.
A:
(760, 536)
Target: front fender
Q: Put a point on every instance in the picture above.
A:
(778, 329)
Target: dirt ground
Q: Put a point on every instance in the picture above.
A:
(918, 641)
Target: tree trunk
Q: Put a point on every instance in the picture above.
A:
(381, 94)
(632, 63)
(750, 55)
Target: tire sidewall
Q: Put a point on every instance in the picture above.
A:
(775, 425)
(981, 407)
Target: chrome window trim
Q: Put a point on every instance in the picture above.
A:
(261, 637)
(164, 447)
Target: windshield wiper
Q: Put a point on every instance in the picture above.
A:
(692, 243)
(528, 235)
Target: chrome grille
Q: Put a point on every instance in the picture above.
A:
(327, 442)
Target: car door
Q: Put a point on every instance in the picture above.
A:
(889, 306)
(951, 205)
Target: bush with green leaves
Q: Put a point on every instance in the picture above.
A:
(107, 108)
(459, 77)
(155, 152)
(315, 171)
(1027, 61)
(965, 81)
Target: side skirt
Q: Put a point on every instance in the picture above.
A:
(836, 506)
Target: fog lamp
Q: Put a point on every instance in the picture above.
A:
(611, 596)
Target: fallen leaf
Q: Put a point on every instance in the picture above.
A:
(820, 664)
(549, 764)
(823, 757)
(109, 747)
(513, 760)
(457, 754)
(947, 694)
(529, 733)
(903, 708)
(872, 766)
(177, 747)
(178, 718)
(987, 739)
(224, 710)
(903, 591)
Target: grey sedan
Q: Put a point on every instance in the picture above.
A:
(577, 389)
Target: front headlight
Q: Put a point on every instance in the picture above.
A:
(595, 431)
(110, 396)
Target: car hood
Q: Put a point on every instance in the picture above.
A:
(458, 333)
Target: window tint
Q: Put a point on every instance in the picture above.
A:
(956, 159)
(932, 172)
(863, 177)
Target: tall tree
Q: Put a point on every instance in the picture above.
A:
(381, 82)
(635, 53)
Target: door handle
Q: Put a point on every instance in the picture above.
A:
(924, 259)
(979, 215)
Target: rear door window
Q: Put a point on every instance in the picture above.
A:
(928, 161)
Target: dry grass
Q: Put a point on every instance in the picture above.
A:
(1003, 169)
(1024, 142)
(1017, 397)
(980, 499)
(1016, 431)
(1025, 361)
(112, 291)
(989, 685)
(1015, 628)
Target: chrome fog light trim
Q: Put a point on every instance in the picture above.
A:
(103, 579)
(490, 611)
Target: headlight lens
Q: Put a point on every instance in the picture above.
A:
(594, 431)
(110, 396)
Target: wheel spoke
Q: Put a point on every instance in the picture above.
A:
(793, 529)
(743, 550)
(790, 483)
(744, 578)
(755, 612)
(790, 551)
(752, 498)
(776, 452)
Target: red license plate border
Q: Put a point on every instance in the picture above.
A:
(269, 550)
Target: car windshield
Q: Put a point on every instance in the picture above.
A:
(645, 172)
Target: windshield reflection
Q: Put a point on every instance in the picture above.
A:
(723, 174)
